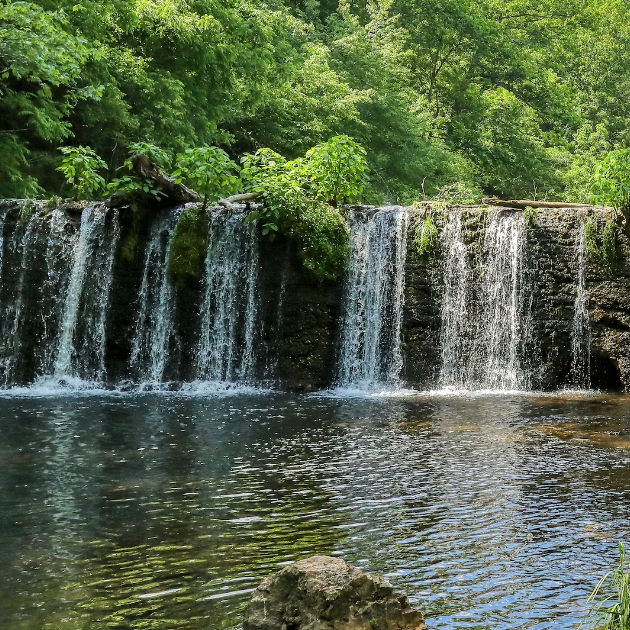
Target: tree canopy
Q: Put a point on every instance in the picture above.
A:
(510, 98)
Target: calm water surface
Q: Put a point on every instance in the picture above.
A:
(164, 512)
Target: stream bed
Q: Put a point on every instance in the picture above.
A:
(165, 511)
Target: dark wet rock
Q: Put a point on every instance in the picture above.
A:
(324, 593)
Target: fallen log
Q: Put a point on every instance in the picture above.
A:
(229, 202)
(526, 203)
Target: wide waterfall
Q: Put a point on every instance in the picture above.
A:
(87, 300)
(581, 330)
(229, 310)
(487, 332)
(56, 279)
(371, 356)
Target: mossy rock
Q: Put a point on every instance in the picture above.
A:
(189, 245)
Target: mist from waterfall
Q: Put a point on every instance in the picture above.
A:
(370, 354)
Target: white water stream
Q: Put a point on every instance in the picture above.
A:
(226, 352)
(370, 356)
(581, 329)
(487, 333)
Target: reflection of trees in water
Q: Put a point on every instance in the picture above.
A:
(173, 505)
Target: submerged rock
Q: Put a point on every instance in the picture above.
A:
(324, 593)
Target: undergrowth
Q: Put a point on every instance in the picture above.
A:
(27, 210)
(606, 249)
(531, 217)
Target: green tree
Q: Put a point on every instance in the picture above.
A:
(611, 182)
(40, 66)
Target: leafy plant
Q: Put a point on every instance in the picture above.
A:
(336, 170)
(611, 181)
(188, 245)
(294, 204)
(426, 236)
(608, 251)
(209, 171)
(281, 183)
(610, 600)
(27, 210)
(53, 202)
(81, 168)
(530, 215)
(136, 186)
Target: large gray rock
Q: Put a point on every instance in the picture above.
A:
(324, 593)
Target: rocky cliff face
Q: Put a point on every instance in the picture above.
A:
(296, 334)
(551, 262)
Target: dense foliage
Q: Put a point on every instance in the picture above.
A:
(451, 98)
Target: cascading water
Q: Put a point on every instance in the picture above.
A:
(487, 328)
(581, 330)
(230, 303)
(153, 329)
(371, 355)
(21, 246)
(81, 342)
(54, 298)
(506, 298)
(455, 334)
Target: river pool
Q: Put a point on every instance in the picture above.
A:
(165, 511)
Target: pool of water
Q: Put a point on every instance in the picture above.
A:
(165, 511)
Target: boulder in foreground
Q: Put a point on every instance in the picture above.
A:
(324, 593)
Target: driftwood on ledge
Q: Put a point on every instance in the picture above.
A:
(526, 203)
(242, 198)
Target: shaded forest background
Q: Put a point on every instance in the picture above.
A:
(451, 98)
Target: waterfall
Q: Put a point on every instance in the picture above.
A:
(455, 335)
(506, 316)
(371, 331)
(487, 330)
(150, 347)
(226, 351)
(12, 312)
(81, 346)
(581, 330)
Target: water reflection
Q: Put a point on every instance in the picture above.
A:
(165, 512)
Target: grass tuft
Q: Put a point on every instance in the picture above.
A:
(610, 600)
